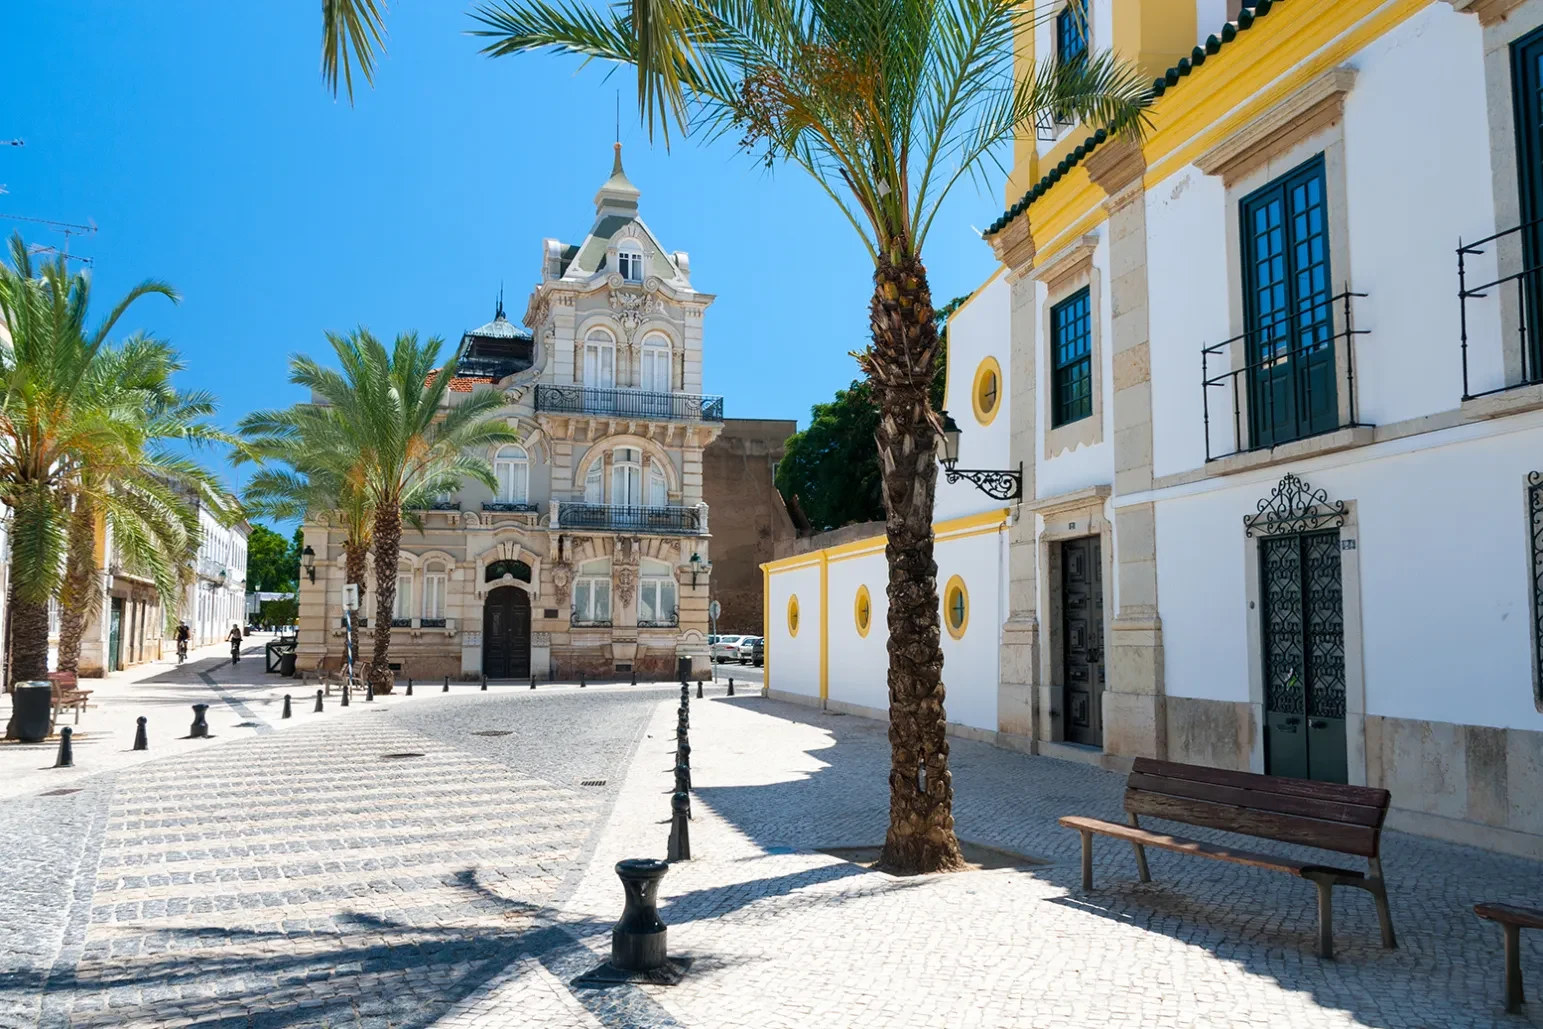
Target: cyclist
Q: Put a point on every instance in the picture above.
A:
(184, 634)
(235, 643)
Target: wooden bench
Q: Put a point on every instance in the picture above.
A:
(1346, 819)
(66, 694)
(1512, 921)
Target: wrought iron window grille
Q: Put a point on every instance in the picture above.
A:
(1283, 344)
(670, 621)
(501, 505)
(628, 403)
(432, 623)
(1526, 300)
(401, 623)
(670, 521)
(588, 623)
(445, 505)
(359, 623)
(1294, 507)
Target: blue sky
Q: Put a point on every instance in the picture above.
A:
(200, 140)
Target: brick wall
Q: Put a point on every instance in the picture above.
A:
(746, 514)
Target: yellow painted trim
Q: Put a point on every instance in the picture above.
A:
(793, 615)
(949, 529)
(856, 547)
(990, 530)
(873, 546)
(990, 367)
(824, 628)
(973, 521)
(766, 636)
(956, 583)
(862, 611)
(788, 564)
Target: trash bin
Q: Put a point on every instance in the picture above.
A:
(287, 664)
(33, 705)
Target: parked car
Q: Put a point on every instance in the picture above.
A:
(726, 648)
(752, 651)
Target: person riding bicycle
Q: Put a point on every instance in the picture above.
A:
(235, 643)
(184, 635)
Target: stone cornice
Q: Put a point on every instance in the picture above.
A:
(1116, 166)
(1014, 247)
(1489, 11)
(1067, 264)
(1076, 500)
(1310, 109)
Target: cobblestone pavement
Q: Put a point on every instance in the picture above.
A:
(305, 878)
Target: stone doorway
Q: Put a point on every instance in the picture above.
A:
(506, 634)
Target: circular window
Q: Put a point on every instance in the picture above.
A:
(793, 615)
(862, 611)
(956, 607)
(987, 392)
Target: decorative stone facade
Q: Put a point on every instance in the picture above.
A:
(592, 556)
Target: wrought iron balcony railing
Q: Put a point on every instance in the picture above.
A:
(629, 403)
(588, 623)
(401, 623)
(667, 521)
(1289, 379)
(431, 623)
(1518, 301)
(503, 505)
(669, 621)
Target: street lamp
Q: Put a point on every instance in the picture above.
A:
(999, 485)
(308, 562)
(696, 568)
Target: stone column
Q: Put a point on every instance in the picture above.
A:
(1135, 721)
(1023, 704)
(313, 631)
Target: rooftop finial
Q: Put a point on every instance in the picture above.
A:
(499, 313)
(616, 164)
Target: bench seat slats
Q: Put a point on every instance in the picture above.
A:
(1330, 791)
(1269, 825)
(1183, 845)
(1262, 800)
(1527, 918)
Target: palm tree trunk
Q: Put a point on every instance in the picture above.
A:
(29, 646)
(76, 594)
(388, 544)
(355, 562)
(901, 364)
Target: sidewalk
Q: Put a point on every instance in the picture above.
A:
(784, 936)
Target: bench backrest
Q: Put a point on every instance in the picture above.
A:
(1330, 816)
(63, 680)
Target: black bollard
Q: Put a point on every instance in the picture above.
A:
(447, 685)
(318, 703)
(680, 831)
(141, 737)
(200, 726)
(484, 684)
(369, 691)
(638, 938)
(583, 680)
(288, 711)
(699, 691)
(634, 675)
(682, 776)
(347, 689)
(409, 687)
(731, 687)
(66, 752)
(683, 753)
(532, 680)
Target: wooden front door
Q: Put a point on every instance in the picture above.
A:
(506, 634)
(1082, 639)
(1303, 634)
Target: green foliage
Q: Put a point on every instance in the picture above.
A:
(272, 562)
(832, 467)
(279, 612)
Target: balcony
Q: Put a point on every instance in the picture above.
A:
(629, 403)
(501, 505)
(660, 521)
(1290, 379)
(670, 621)
(1516, 304)
(588, 623)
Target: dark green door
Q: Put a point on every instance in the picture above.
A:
(1288, 315)
(115, 635)
(1527, 86)
(1082, 639)
(1303, 632)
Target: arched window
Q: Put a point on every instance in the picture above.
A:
(656, 594)
(627, 477)
(402, 610)
(434, 581)
(658, 486)
(656, 363)
(629, 261)
(498, 569)
(592, 594)
(594, 484)
(511, 467)
(599, 359)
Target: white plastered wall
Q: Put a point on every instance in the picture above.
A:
(795, 660)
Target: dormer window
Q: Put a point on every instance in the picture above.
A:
(630, 261)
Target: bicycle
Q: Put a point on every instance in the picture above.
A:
(182, 651)
(235, 651)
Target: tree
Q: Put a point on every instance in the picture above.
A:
(51, 424)
(385, 427)
(886, 104)
(272, 564)
(830, 467)
(141, 488)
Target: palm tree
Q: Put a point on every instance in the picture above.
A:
(51, 424)
(383, 423)
(887, 104)
(142, 488)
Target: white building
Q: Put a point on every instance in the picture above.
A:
(215, 599)
(1282, 506)
(592, 556)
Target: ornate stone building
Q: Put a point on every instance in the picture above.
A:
(592, 555)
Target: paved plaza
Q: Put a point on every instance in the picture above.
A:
(446, 860)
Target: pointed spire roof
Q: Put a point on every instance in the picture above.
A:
(618, 195)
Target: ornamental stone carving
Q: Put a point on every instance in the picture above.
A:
(562, 579)
(632, 308)
(626, 577)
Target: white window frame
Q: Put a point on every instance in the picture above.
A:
(656, 358)
(435, 583)
(402, 607)
(627, 477)
(511, 467)
(658, 486)
(599, 359)
(594, 483)
(629, 261)
(592, 593)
